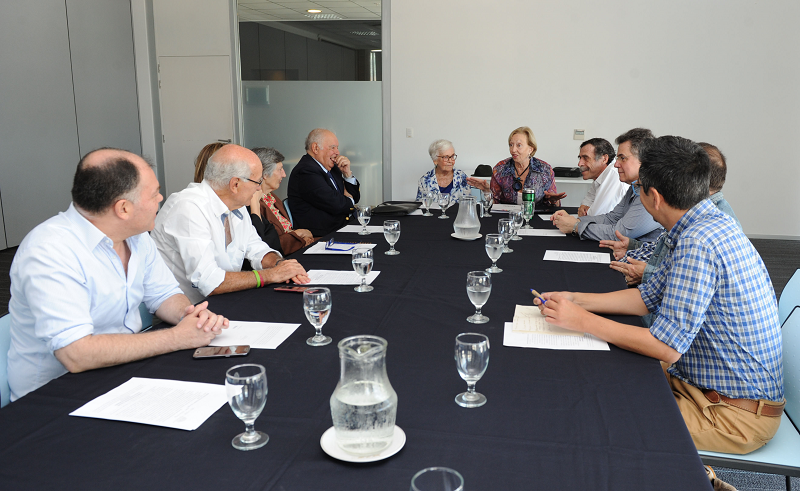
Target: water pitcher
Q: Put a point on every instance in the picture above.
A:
(364, 404)
(467, 223)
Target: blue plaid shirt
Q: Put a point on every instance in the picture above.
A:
(717, 308)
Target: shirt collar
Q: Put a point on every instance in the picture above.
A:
(606, 173)
(218, 207)
(716, 197)
(695, 214)
(89, 234)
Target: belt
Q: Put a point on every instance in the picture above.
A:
(759, 407)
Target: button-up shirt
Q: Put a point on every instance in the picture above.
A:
(606, 191)
(68, 282)
(629, 218)
(190, 235)
(717, 308)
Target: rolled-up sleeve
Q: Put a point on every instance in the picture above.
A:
(159, 283)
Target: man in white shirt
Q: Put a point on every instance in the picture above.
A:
(596, 161)
(78, 278)
(204, 233)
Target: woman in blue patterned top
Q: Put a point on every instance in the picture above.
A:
(443, 178)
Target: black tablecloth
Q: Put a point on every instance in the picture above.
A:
(588, 420)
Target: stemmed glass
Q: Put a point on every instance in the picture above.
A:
(437, 479)
(472, 358)
(363, 213)
(506, 228)
(479, 287)
(391, 231)
(488, 202)
(246, 387)
(427, 200)
(494, 248)
(362, 264)
(317, 306)
(444, 202)
(517, 220)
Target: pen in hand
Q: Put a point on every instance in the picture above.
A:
(537, 295)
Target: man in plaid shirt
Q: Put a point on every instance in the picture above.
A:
(716, 331)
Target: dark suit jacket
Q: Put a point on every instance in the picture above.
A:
(314, 202)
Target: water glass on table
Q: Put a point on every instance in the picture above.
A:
(363, 213)
(517, 220)
(317, 307)
(472, 358)
(362, 264)
(437, 479)
(246, 388)
(488, 202)
(444, 202)
(391, 231)
(427, 200)
(494, 249)
(479, 287)
(506, 228)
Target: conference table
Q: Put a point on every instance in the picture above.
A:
(555, 419)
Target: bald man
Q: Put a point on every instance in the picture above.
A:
(78, 278)
(204, 233)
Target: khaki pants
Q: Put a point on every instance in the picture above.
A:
(720, 427)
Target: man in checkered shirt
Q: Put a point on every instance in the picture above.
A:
(716, 331)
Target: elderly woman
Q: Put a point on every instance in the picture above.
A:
(443, 178)
(202, 159)
(521, 171)
(267, 211)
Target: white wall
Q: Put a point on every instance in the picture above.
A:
(725, 72)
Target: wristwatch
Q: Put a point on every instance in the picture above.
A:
(575, 228)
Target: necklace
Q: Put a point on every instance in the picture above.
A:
(518, 175)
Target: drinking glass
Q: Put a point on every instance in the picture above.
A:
(427, 200)
(506, 228)
(391, 230)
(472, 358)
(517, 220)
(437, 479)
(363, 213)
(488, 202)
(246, 387)
(317, 306)
(494, 248)
(444, 202)
(528, 205)
(479, 287)
(362, 264)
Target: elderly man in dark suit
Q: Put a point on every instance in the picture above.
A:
(322, 189)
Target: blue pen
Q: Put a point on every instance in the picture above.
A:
(541, 298)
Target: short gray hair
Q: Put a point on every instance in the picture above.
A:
(438, 145)
(219, 174)
(270, 158)
(317, 135)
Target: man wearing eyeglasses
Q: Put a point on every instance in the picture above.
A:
(322, 189)
(204, 233)
(629, 217)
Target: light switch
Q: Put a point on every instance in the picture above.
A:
(409, 132)
(578, 135)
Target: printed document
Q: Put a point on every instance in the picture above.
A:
(373, 229)
(259, 335)
(319, 248)
(549, 341)
(578, 257)
(528, 318)
(541, 232)
(505, 208)
(330, 277)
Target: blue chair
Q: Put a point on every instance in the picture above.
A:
(5, 344)
(790, 297)
(147, 317)
(782, 454)
(286, 205)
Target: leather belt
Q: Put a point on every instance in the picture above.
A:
(760, 407)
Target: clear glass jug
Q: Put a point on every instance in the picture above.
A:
(364, 404)
(467, 223)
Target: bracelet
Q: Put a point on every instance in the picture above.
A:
(259, 284)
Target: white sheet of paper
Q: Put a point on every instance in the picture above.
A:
(157, 402)
(548, 217)
(373, 229)
(540, 340)
(259, 335)
(578, 257)
(331, 277)
(528, 318)
(541, 232)
(319, 248)
(505, 208)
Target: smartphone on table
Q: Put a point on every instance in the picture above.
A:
(221, 351)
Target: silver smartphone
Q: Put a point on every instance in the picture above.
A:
(221, 351)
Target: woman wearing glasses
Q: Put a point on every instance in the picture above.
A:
(443, 178)
(522, 170)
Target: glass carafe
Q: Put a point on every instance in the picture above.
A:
(467, 223)
(364, 404)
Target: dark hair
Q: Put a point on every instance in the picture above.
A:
(202, 159)
(678, 168)
(636, 137)
(719, 167)
(601, 147)
(97, 186)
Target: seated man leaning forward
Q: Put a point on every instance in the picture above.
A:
(629, 216)
(716, 331)
(77, 280)
(204, 232)
(322, 190)
(596, 161)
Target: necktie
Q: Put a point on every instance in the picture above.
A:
(227, 225)
(330, 176)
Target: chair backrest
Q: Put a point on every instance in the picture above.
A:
(790, 297)
(5, 344)
(286, 205)
(790, 334)
(147, 317)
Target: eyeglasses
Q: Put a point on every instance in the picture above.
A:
(449, 157)
(254, 182)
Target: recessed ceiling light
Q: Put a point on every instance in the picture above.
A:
(313, 11)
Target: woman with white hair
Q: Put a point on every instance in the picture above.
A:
(443, 178)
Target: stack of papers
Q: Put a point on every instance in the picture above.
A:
(319, 248)
(548, 217)
(578, 257)
(530, 330)
(373, 229)
(505, 208)
(541, 232)
(330, 277)
(259, 335)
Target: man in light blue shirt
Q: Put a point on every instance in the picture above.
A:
(78, 278)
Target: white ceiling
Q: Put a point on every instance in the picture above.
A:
(295, 10)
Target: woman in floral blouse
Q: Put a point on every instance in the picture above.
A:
(443, 178)
(522, 170)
